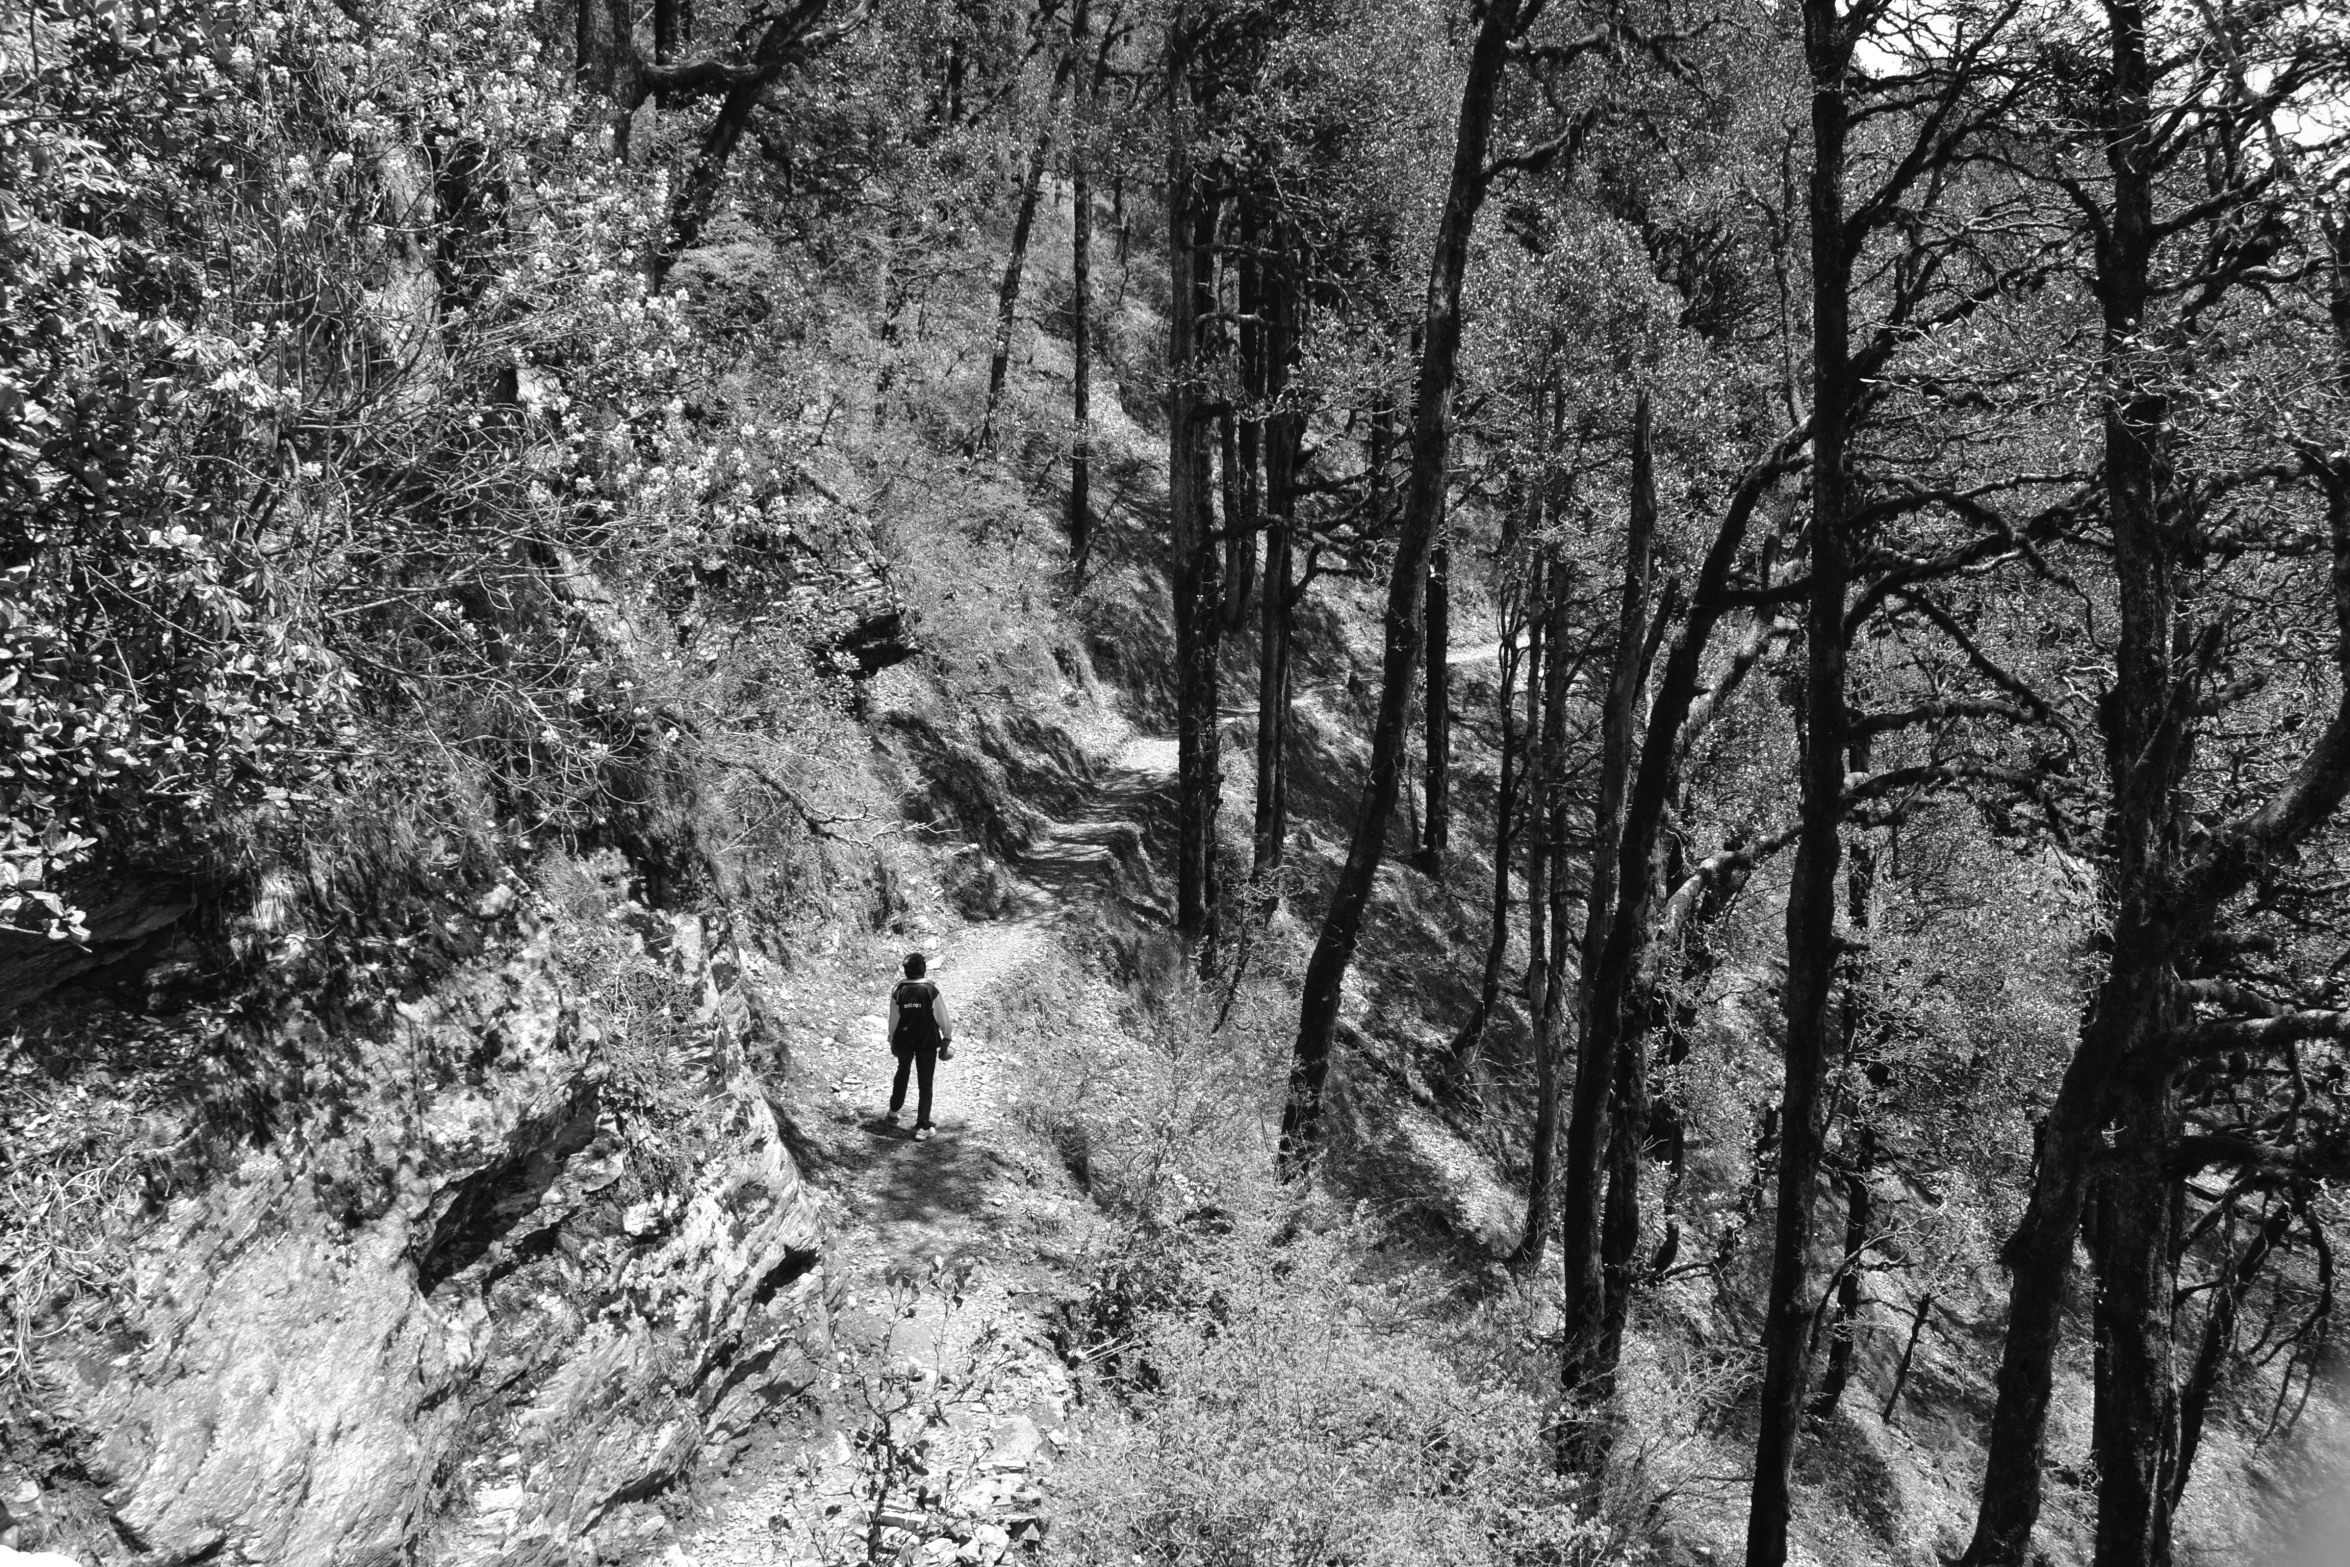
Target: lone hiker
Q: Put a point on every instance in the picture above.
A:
(920, 1035)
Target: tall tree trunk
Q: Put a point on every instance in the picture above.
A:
(1274, 604)
(2139, 998)
(1468, 1044)
(605, 63)
(1236, 444)
(1523, 591)
(1859, 895)
(1431, 437)
(1194, 569)
(1243, 427)
(1535, 986)
(2126, 1011)
(1436, 827)
(1842, 1326)
(1909, 1350)
(1082, 106)
(2136, 1423)
(951, 95)
(1540, 585)
(1007, 307)
(673, 35)
(1581, 1382)
(1379, 461)
(1621, 1268)
(1284, 428)
(1546, 981)
(1623, 1006)
(673, 29)
(2136, 1419)
(1811, 895)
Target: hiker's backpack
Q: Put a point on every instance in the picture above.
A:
(917, 1029)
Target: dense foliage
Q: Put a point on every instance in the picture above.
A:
(334, 366)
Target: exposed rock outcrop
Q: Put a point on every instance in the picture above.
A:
(488, 1311)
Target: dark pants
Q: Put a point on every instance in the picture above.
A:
(922, 1060)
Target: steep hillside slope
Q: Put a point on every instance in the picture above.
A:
(589, 1243)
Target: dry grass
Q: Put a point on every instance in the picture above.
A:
(76, 1167)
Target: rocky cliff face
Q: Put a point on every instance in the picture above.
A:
(547, 1251)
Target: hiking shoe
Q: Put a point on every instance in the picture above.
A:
(922, 1134)
(891, 1116)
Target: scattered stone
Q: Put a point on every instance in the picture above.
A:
(1014, 1442)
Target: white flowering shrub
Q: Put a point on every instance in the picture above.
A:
(329, 372)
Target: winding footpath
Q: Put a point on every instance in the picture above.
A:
(947, 1255)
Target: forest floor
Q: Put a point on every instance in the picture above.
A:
(949, 1255)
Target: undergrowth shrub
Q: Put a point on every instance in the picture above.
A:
(989, 580)
(1280, 1406)
(1153, 1108)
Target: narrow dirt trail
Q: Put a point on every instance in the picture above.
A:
(981, 1202)
(914, 1202)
